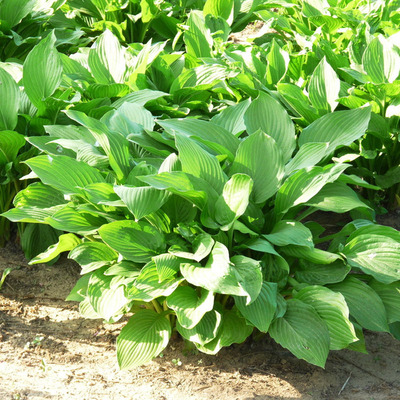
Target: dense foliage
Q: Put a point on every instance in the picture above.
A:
(181, 165)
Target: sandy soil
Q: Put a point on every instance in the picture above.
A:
(47, 351)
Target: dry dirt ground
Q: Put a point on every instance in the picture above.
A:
(47, 351)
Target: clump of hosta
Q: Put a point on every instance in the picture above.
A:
(199, 226)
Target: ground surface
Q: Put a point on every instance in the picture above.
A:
(74, 359)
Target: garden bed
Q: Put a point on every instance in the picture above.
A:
(49, 352)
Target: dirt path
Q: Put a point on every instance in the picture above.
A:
(74, 359)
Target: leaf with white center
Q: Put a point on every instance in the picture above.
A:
(65, 242)
(376, 255)
(290, 232)
(204, 331)
(148, 287)
(336, 197)
(340, 128)
(107, 59)
(308, 155)
(234, 200)
(240, 276)
(302, 331)
(50, 169)
(332, 308)
(260, 157)
(106, 294)
(200, 163)
(261, 311)
(233, 329)
(267, 114)
(142, 201)
(304, 185)
(390, 295)
(42, 71)
(136, 241)
(324, 88)
(188, 306)
(363, 302)
(144, 337)
(92, 255)
(9, 101)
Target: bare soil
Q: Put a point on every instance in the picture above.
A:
(47, 351)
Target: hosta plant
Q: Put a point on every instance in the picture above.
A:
(198, 226)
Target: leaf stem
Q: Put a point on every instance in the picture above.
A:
(157, 306)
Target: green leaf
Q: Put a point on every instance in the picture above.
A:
(49, 170)
(204, 331)
(215, 137)
(308, 155)
(107, 59)
(340, 128)
(188, 186)
(259, 157)
(303, 185)
(167, 265)
(316, 256)
(202, 246)
(140, 97)
(106, 294)
(198, 37)
(135, 241)
(70, 220)
(10, 144)
(336, 197)
(261, 311)
(142, 201)
(37, 238)
(240, 276)
(324, 88)
(297, 101)
(364, 304)
(390, 295)
(200, 163)
(233, 329)
(315, 274)
(234, 200)
(188, 306)
(290, 232)
(302, 331)
(219, 8)
(332, 308)
(267, 114)
(42, 71)
(278, 62)
(148, 287)
(92, 255)
(65, 242)
(78, 292)
(9, 101)
(381, 61)
(142, 338)
(13, 11)
(376, 255)
(232, 118)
